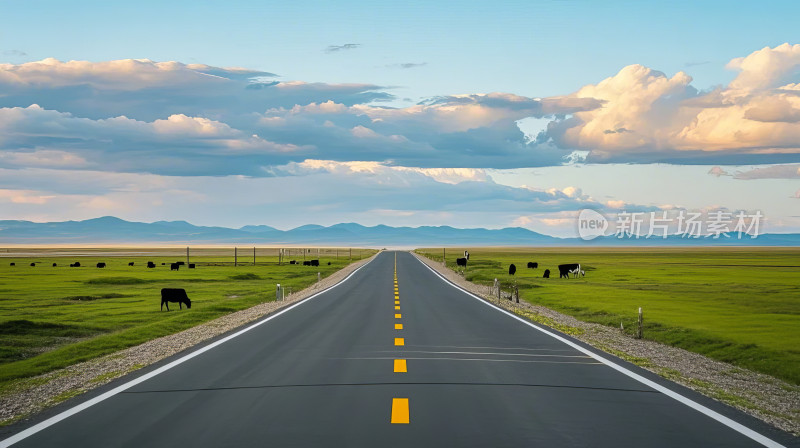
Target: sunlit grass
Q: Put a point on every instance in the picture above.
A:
(736, 305)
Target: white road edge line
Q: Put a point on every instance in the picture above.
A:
(738, 427)
(74, 410)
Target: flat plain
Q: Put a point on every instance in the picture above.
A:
(53, 317)
(738, 305)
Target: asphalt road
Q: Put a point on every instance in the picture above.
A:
(330, 373)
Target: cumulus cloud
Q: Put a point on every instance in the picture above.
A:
(718, 171)
(179, 144)
(648, 116)
(327, 190)
(790, 171)
(148, 90)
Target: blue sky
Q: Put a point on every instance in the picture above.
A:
(331, 101)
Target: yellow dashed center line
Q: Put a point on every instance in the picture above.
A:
(399, 341)
(400, 366)
(398, 326)
(400, 410)
(398, 316)
(397, 308)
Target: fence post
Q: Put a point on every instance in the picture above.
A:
(516, 293)
(187, 255)
(278, 293)
(639, 330)
(235, 256)
(444, 257)
(318, 277)
(280, 256)
(497, 286)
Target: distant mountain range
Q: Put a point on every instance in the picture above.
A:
(111, 230)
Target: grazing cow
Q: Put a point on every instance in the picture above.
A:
(130, 264)
(577, 272)
(292, 262)
(512, 269)
(77, 264)
(314, 262)
(466, 255)
(150, 264)
(191, 265)
(461, 262)
(54, 264)
(307, 263)
(565, 269)
(174, 267)
(13, 264)
(101, 265)
(181, 263)
(33, 264)
(329, 263)
(546, 273)
(163, 264)
(533, 265)
(174, 295)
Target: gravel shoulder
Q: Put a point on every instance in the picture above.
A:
(764, 397)
(32, 395)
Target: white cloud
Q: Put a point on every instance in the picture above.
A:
(789, 171)
(647, 115)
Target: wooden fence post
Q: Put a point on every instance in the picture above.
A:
(187, 255)
(235, 256)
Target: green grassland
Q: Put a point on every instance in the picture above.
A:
(732, 304)
(52, 317)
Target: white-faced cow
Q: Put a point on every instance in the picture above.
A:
(174, 295)
(466, 254)
(564, 270)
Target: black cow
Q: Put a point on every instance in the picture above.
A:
(33, 264)
(130, 264)
(461, 262)
(181, 263)
(314, 262)
(77, 264)
(329, 263)
(512, 269)
(565, 269)
(191, 265)
(533, 265)
(150, 264)
(307, 263)
(101, 265)
(292, 262)
(174, 267)
(163, 264)
(174, 295)
(13, 264)
(54, 264)
(546, 273)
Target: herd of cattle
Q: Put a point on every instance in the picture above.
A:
(172, 266)
(564, 270)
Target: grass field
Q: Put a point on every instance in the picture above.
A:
(736, 305)
(52, 317)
